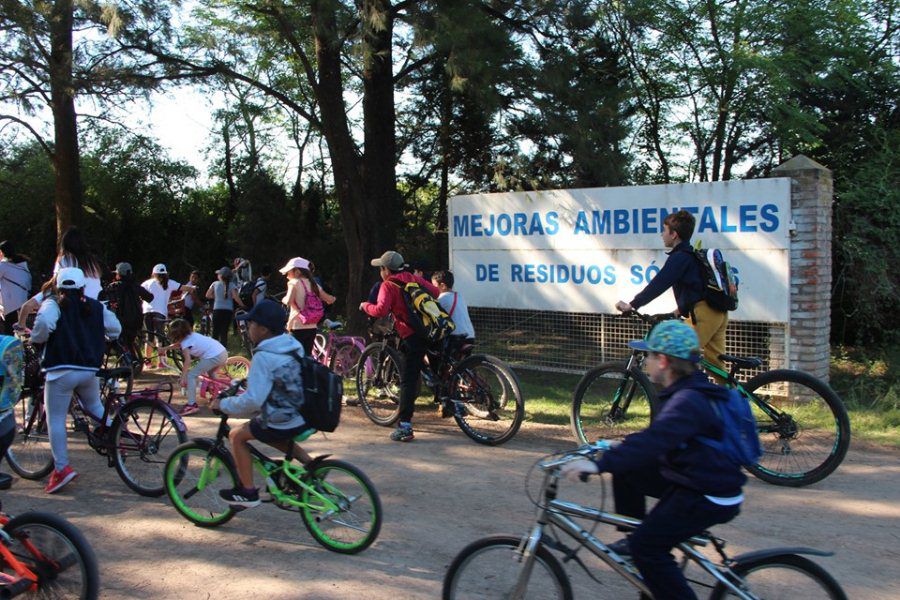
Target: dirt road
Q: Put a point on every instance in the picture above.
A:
(439, 493)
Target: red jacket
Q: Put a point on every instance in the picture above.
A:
(390, 300)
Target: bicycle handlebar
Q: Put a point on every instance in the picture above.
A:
(579, 453)
(651, 319)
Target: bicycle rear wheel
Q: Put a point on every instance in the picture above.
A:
(57, 552)
(144, 436)
(488, 402)
(194, 475)
(787, 576)
(490, 568)
(236, 367)
(356, 523)
(804, 429)
(378, 384)
(611, 402)
(29, 455)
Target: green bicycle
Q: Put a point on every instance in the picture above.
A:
(804, 429)
(336, 501)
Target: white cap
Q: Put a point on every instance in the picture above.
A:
(294, 263)
(160, 269)
(70, 278)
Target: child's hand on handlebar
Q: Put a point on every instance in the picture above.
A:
(623, 306)
(578, 469)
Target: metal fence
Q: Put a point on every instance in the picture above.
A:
(575, 342)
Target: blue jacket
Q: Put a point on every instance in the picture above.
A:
(671, 443)
(682, 273)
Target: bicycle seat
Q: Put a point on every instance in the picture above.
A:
(332, 325)
(744, 362)
(114, 373)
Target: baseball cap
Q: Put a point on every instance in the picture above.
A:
(224, 271)
(295, 263)
(673, 338)
(70, 278)
(267, 313)
(123, 268)
(160, 269)
(390, 259)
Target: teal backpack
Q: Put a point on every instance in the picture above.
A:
(12, 360)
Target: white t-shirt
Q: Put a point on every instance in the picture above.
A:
(201, 346)
(160, 302)
(15, 285)
(460, 314)
(92, 286)
(261, 286)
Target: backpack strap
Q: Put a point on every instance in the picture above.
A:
(452, 308)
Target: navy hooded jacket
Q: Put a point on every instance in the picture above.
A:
(671, 441)
(682, 273)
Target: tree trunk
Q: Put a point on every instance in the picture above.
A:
(231, 202)
(65, 126)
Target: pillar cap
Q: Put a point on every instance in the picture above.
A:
(800, 163)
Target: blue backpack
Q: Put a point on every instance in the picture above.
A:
(740, 437)
(12, 371)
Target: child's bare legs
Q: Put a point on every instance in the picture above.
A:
(299, 453)
(242, 459)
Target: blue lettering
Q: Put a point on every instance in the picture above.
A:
(494, 272)
(637, 274)
(542, 273)
(563, 274)
(621, 220)
(635, 222)
(748, 217)
(691, 209)
(536, 225)
(476, 226)
(519, 220)
(648, 220)
(461, 226)
(581, 225)
(578, 274)
(609, 275)
(480, 273)
(769, 215)
(593, 274)
(600, 222)
(707, 220)
(726, 228)
(489, 231)
(552, 223)
(515, 273)
(529, 273)
(652, 271)
(504, 224)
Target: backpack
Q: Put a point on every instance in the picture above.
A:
(427, 317)
(245, 293)
(721, 284)
(323, 391)
(12, 371)
(313, 310)
(740, 437)
(125, 303)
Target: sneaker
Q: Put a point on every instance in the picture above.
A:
(59, 479)
(621, 548)
(5, 481)
(240, 498)
(351, 401)
(447, 409)
(188, 409)
(403, 434)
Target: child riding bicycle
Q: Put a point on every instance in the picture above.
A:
(698, 486)
(273, 398)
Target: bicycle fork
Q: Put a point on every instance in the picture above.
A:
(527, 553)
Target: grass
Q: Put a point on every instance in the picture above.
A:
(868, 381)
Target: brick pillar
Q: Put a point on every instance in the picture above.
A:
(810, 326)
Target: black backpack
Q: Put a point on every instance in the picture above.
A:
(126, 304)
(323, 391)
(720, 281)
(245, 293)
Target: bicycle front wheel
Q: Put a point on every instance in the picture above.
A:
(345, 359)
(30, 455)
(491, 568)
(355, 523)
(144, 436)
(786, 576)
(488, 402)
(378, 384)
(804, 429)
(194, 475)
(236, 367)
(611, 402)
(57, 552)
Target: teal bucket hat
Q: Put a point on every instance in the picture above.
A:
(673, 338)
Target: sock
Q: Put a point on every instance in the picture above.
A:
(405, 425)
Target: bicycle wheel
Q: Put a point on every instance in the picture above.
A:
(236, 367)
(356, 523)
(144, 435)
(173, 358)
(803, 426)
(378, 384)
(489, 406)
(115, 359)
(29, 455)
(194, 475)
(490, 568)
(345, 359)
(320, 345)
(610, 403)
(787, 576)
(57, 552)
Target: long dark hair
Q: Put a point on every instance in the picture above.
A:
(66, 296)
(9, 251)
(73, 246)
(163, 279)
(308, 274)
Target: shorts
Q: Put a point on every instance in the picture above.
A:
(154, 322)
(270, 435)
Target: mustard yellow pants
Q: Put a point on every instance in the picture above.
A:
(710, 326)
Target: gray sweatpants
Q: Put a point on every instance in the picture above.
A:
(204, 365)
(58, 396)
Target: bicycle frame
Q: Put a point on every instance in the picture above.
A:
(24, 574)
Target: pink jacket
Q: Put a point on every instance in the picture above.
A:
(390, 300)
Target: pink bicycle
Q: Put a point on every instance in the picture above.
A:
(340, 353)
(209, 386)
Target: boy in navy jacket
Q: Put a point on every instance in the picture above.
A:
(698, 486)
